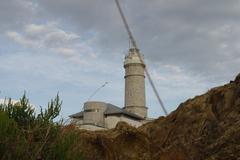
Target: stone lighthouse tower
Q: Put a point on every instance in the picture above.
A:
(135, 83)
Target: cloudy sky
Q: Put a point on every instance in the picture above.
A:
(74, 46)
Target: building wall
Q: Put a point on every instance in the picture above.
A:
(77, 121)
(134, 86)
(94, 113)
(112, 120)
(90, 127)
(132, 122)
(135, 101)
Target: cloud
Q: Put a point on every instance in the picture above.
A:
(189, 45)
(66, 51)
(194, 35)
(20, 39)
(49, 34)
(14, 13)
(13, 101)
(50, 37)
(5, 101)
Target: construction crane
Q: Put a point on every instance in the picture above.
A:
(134, 45)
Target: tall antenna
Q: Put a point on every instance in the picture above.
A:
(134, 44)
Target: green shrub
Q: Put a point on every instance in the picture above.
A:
(27, 135)
(22, 112)
(12, 142)
(66, 146)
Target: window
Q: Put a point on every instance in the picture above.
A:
(91, 110)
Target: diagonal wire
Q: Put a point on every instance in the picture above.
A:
(95, 92)
(134, 44)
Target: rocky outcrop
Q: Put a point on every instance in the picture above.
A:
(206, 127)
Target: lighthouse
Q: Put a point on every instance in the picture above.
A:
(135, 99)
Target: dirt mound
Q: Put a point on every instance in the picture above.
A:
(206, 127)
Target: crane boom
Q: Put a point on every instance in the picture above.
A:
(134, 44)
(156, 92)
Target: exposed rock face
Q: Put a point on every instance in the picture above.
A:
(237, 79)
(206, 127)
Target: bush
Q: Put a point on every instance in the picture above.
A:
(27, 135)
(66, 145)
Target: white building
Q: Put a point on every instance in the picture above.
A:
(101, 115)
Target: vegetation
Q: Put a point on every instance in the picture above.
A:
(24, 134)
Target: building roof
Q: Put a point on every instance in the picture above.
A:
(111, 110)
(114, 110)
(77, 115)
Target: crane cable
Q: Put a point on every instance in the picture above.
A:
(134, 44)
(95, 92)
